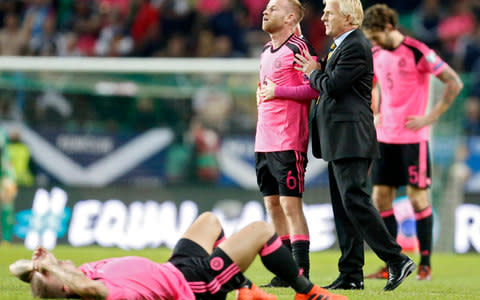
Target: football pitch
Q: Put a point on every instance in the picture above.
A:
(454, 276)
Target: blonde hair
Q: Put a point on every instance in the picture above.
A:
(352, 8)
(298, 8)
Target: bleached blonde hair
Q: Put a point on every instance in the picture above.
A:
(298, 8)
(350, 7)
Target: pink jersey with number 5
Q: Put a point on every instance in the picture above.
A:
(403, 76)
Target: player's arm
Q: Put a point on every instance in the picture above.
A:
(453, 86)
(375, 106)
(301, 92)
(23, 269)
(78, 283)
(73, 278)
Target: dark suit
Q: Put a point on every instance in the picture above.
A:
(343, 134)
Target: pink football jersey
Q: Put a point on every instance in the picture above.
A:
(403, 76)
(135, 278)
(283, 123)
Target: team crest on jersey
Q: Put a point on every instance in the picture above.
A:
(431, 57)
(216, 263)
(402, 63)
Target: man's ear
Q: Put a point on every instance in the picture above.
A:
(349, 19)
(290, 19)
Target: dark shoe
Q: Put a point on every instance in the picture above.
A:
(276, 282)
(342, 283)
(398, 272)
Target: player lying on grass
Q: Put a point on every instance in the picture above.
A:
(203, 265)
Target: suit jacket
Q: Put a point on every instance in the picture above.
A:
(342, 125)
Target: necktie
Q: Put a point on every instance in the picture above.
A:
(330, 52)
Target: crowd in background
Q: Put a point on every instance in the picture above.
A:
(158, 28)
(207, 28)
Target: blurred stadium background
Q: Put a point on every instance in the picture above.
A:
(138, 115)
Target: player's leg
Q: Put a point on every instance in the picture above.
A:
(206, 231)
(269, 187)
(278, 218)
(299, 233)
(199, 241)
(387, 174)
(383, 197)
(260, 238)
(8, 192)
(417, 191)
(288, 167)
(424, 226)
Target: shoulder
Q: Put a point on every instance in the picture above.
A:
(357, 44)
(376, 50)
(267, 46)
(299, 45)
(358, 40)
(418, 48)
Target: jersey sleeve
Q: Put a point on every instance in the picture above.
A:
(430, 62)
(301, 92)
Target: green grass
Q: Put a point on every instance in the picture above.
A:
(454, 277)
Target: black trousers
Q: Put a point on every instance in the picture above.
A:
(356, 219)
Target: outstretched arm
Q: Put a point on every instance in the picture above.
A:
(23, 269)
(74, 279)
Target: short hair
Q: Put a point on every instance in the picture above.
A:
(378, 16)
(298, 8)
(41, 289)
(352, 8)
(38, 287)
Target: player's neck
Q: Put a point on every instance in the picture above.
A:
(278, 38)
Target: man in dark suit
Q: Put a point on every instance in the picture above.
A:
(343, 134)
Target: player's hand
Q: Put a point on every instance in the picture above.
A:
(377, 120)
(42, 259)
(306, 64)
(259, 97)
(267, 91)
(416, 122)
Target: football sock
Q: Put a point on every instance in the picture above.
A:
(424, 233)
(220, 238)
(286, 241)
(7, 220)
(300, 250)
(390, 222)
(278, 260)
